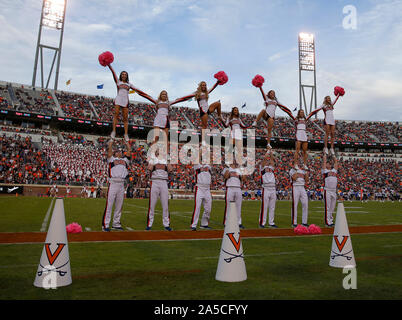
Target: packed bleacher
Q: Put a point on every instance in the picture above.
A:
(79, 161)
(78, 106)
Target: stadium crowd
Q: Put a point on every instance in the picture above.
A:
(78, 161)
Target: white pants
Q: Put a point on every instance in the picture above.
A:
(233, 194)
(159, 190)
(202, 196)
(115, 195)
(268, 201)
(329, 205)
(299, 193)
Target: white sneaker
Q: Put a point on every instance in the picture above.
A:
(332, 151)
(305, 167)
(326, 150)
(113, 135)
(126, 137)
(269, 146)
(297, 167)
(254, 124)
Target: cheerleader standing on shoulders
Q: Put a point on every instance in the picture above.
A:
(271, 103)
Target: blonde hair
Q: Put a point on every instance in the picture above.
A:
(199, 92)
(325, 102)
(160, 95)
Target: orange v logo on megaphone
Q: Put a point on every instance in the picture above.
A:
(342, 244)
(53, 256)
(236, 243)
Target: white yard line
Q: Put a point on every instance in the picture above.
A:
(47, 216)
(257, 255)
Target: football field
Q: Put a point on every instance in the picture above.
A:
(278, 267)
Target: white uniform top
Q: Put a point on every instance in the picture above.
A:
(159, 171)
(122, 93)
(163, 108)
(268, 176)
(270, 107)
(203, 103)
(235, 123)
(301, 134)
(300, 179)
(329, 114)
(234, 177)
(330, 179)
(118, 167)
(202, 175)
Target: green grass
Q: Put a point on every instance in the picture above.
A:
(277, 268)
(286, 268)
(27, 213)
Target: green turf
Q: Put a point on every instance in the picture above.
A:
(27, 214)
(277, 268)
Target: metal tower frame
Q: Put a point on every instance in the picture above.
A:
(307, 64)
(52, 16)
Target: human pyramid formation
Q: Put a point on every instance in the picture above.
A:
(233, 175)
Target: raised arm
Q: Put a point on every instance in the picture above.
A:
(182, 99)
(286, 110)
(115, 78)
(336, 164)
(128, 149)
(313, 113)
(213, 87)
(143, 94)
(324, 162)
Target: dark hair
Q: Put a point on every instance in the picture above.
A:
(127, 76)
(232, 112)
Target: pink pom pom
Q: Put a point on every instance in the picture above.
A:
(106, 58)
(74, 228)
(339, 91)
(300, 229)
(314, 229)
(221, 77)
(258, 81)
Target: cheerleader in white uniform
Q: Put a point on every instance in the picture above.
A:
(121, 101)
(236, 131)
(301, 138)
(268, 114)
(202, 96)
(161, 121)
(329, 122)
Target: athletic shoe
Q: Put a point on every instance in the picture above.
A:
(306, 225)
(206, 227)
(332, 151)
(193, 229)
(294, 225)
(273, 226)
(241, 226)
(269, 146)
(326, 150)
(297, 167)
(105, 229)
(261, 226)
(254, 124)
(148, 228)
(305, 167)
(168, 228)
(113, 135)
(126, 137)
(117, 228)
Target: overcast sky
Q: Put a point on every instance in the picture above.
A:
(174, 44)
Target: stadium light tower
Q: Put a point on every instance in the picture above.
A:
(53, 14)
(306, 67)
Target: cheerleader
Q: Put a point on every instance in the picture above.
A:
(329, 122)
(161, 121)
(202, 96)
(236, 130)
(301, 138)
(268, 114)
(121, 101)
